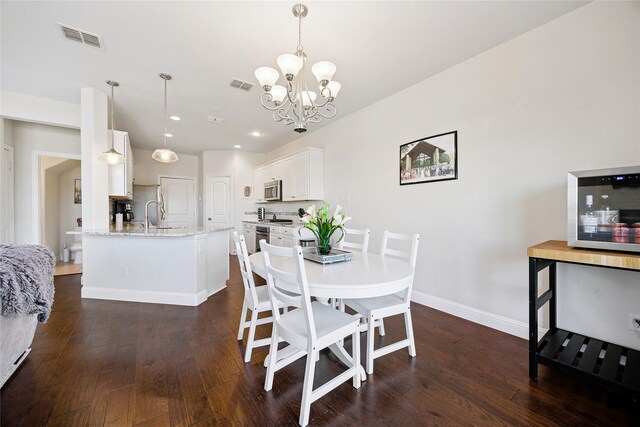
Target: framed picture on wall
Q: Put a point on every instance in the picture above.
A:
(247, 192)
(434, 158)
(77, 192)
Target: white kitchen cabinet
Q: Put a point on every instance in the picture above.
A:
(274, 172)
(259, 178)
(288, 180)
(281, 236)
(250, 236)
(302, 175)
(121, 176)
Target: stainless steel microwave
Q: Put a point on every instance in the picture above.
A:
(603, 208)
(273, 191)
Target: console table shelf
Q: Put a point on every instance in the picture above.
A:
(616, 367)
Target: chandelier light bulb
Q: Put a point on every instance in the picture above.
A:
(290, 64)
(278, 93)
(324, 71)
(308, 98)
(267, 77)
(334, 87)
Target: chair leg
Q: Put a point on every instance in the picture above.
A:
(409, 326)
(381, 327)
(307, 388)
(355, 351)
(252, 333)
(273, 356)
(370, 333)
(242, 320)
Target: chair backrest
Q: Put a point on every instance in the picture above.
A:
(245, 268)
(294, 278)
(364, 246)
(410, 256)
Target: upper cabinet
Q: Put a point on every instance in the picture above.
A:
(121, 176)
(301, 173)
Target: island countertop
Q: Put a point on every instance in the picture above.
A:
(137, 231)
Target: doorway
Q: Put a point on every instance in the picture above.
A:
(60, 207)
(218, 204)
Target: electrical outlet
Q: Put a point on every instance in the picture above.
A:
(634, 322)
(125, 272)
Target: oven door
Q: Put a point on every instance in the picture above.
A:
(261, 233)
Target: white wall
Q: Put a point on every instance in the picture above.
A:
(563, 97)
(239, 165)
(147, 171)
(19, 106)
(27, 138)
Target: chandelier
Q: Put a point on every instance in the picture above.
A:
(295, 104)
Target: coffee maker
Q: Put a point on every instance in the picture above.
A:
(127, 214)
(122, 208)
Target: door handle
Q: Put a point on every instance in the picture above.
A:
(209, 219)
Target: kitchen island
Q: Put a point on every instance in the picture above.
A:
(180, 266)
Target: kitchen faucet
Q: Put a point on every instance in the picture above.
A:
(146, 212)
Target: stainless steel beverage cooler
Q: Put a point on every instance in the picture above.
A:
(603, 209)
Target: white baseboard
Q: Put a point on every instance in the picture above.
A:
(173, 298)
(485, 318)
(218, 289)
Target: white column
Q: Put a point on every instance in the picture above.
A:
(95, 173)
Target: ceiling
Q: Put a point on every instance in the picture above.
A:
(379, 48)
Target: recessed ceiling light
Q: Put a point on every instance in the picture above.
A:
(168, 135)
(237, 146)
(176, 118)
(256, 133)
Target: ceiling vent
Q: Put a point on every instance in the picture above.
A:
(80, 36)
(215, 119)
(239, 84)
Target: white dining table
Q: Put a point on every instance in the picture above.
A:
(366, 275)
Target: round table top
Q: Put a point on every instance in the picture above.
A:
(366, 275)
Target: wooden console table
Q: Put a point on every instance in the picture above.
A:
(569, 351)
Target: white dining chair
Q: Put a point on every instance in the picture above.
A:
(363, 246)
(309, 328)
(376, 309)
(256, 299)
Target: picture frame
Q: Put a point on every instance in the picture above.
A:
(430, 159)
(77, 192)
(247, 192)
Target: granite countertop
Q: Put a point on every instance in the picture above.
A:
(138, 231)
(295, 224)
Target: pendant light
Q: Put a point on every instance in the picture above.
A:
(112, 156)
(164, 154)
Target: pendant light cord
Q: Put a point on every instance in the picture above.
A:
(113, 124)
(165, 113)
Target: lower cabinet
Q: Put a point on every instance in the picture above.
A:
(281, 236)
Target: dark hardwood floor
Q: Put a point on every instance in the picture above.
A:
(108, 363)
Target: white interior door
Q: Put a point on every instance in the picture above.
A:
(218, 210)
(179, 196)
(6, 198)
